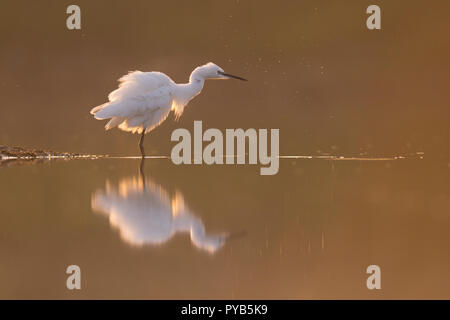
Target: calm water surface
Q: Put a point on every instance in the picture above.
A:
(315, 71)
(225, 232)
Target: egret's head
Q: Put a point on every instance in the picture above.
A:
(212, 71)
(211, 243)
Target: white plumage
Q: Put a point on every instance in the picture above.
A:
(144, 99)
(149, 215)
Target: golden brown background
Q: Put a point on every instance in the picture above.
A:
(316, 72)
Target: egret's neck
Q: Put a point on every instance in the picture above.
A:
(187, 91)
(196, 82)
(188, 223)
(195, 86)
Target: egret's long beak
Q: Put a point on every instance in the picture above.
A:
(231, 76)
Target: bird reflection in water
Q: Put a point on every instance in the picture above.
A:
(145, 213)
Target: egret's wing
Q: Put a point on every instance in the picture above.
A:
(143, 216)
(143, 100)
(137, 83)
(134, 113)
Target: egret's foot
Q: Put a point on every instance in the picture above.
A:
(142, 151)
(141, 171)
(141, 144)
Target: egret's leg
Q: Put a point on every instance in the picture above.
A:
(141, 143)
(141, 171)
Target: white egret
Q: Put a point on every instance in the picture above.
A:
(144, 99)
(146, 214)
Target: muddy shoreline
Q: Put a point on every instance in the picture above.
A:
(9, 153)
